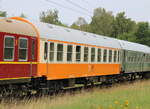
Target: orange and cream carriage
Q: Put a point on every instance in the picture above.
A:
(38, 53)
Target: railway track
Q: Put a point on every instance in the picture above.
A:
(8, 97)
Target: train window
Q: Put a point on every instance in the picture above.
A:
(69, 53)
(51, 51)
(144, 57)
(92, 54)
(132, 56)
(99, 55)
(45, 50)
(110, 55)
(78, 53)
(130, 59)
(33, 49)
(147, 58)
(115, 56)
(86, 50)
(59, 52)
(105, 55)
(138, 58)
(23, 48)
(9, 48)
(135, 57)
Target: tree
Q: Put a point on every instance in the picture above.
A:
(123, 25)
(81, 24)
(50, 17)
(80, 21)
(102, 21)
(3, 14)
(75, 26)
(23, 15)
(128, 36)
(143, 33)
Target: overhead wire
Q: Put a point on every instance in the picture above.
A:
(58, 4)
(77, 5)
(87, 2)
(71, 9)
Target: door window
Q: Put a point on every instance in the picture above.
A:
(51, 53)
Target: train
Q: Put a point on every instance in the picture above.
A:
(41, 56)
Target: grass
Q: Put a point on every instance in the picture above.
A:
(128, 96)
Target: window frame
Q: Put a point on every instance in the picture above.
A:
(110, 58)
(33, 49)
(13, 57)
(86, 53)
(50, 51)
(119, 56)
(23, 48)
(78, 53)
(93, 54)
(60, 52)
(115, 56)
(69, 53)
(45, 51)
(99, 54)
(105, 55)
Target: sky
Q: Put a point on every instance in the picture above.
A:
(138, 10)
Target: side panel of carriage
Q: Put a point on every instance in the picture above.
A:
(60, 60)
(135, 61)
(18, 56)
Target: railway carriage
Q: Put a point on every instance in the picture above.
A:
(67, 53)
(18, 55)
(135, 57)
(38, 55)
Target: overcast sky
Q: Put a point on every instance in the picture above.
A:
(138, 10)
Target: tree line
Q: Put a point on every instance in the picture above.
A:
(105, 23)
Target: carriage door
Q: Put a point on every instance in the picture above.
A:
(46, 57)
(33, 56)
(124, 60)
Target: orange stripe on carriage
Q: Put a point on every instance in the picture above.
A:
(62, 71)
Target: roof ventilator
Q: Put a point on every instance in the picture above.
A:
(84, 33)
(49, 26)
(9, 20)
(67, 30)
